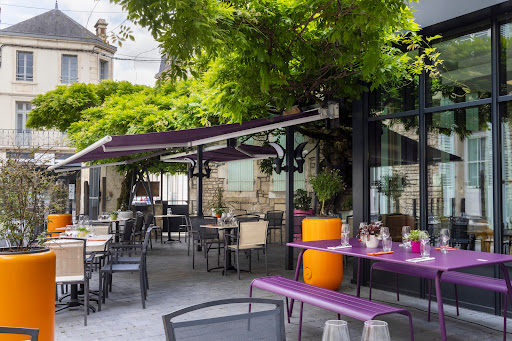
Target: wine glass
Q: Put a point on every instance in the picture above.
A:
(406, 230)
(384, 232)
(335, 330)
(375, 330)
(345, 233)
(444, 236)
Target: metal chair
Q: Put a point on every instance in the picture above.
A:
(251, 236)
(297, 225)
(71, 266)
(138, 229)
(275, 222)
(33, 333)
(204, 237)
(265, 324)
(105, 277)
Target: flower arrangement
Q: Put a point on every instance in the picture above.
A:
(371, 229)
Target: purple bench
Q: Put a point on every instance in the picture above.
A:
(452, 277)
(344, 304)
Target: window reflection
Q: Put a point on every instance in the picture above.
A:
(506, 141)
(394, 173)
(460, 176)
(506, 59)
(465, 74)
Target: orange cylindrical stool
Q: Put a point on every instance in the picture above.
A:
(322, 269)
(27, 292)
(58, 222)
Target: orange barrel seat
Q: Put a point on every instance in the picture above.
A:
(322, 269)
(57, 223)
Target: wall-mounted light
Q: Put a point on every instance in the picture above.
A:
(207, 169)
(297, 155)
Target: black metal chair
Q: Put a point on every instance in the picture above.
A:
(297, 225)
(275, 222)
(138, 229)
(113, 266)
(264, 324)
(459, 233)
(33, 333)
(205, 237)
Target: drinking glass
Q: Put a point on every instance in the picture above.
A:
(406, 230)
(387, 243)
(384, 232)
(335, 330)
(375, 331)
(169, 211)
(444, 236)
(345, 234)
(425, 248)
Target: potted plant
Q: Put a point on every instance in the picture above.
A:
(58, 203)
(217, 205)
(302, 203)
(372, 230)
(325, 185)
(27, 267)
(416, 236)
(113, 215)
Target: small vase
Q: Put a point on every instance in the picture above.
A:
(372, 241)
(415, 246)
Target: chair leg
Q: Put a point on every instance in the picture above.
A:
(250, 261)
(188, 246)
(397, 288)
(238, 263)
(456, 299)
(206, 248)
(266, 263)
(505, 303)
(100, 291)
(300, 319)
(142, 289)
(86, 299)
(281, 235)
(193, 253)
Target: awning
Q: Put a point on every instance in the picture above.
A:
(225, 153)
(125, 145)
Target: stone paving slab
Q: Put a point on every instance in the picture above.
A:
(175, 285)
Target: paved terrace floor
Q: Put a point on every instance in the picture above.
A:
(174, 285)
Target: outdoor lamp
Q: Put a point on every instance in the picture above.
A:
(299, 157)
(280, 157)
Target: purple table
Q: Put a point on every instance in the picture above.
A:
(453, 260)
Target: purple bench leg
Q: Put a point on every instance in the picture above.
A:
(505, 303)
(288, 309)
(359, 263)
(300, 320)
(429, 298)
(456, 299)
(297, 271)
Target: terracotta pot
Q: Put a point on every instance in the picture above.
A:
(218, 215)
(27, 292)
(415, 246)
(372, 241)
(322, 269)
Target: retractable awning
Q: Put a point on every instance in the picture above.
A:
(224, 153)
(125, 145)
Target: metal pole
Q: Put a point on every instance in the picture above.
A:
(199, 204)
(290, 162)
(317, 170)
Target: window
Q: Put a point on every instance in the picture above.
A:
(241, 176)
(476, 160)
(24, 66)
(23, 135)
(69, 69)
(103, 69)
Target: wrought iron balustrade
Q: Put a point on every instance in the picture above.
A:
(33, 138)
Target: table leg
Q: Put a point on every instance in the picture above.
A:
(359, 265)
(440, 309)
(116, 238)
(297, 271)
(506, 277)
(169, 239)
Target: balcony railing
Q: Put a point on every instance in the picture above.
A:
(33, 138)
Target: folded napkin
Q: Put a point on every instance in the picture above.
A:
(338, 247)
(448, 248)
(420, 259)
(380, 253)
(96, 240)
(210, 225)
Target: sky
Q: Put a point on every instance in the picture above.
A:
(87, 13)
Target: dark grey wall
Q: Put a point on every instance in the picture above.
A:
(431, 12)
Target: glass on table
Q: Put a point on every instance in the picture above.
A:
(375, 330)
(444, 237)
(425, 248)
(406, 230)
(335, 330)
(384, 232)
(345, 234)
(169, 211)
(387, 244)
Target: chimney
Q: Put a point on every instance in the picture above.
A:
(101, 29)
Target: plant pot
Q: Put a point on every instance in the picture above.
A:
(372, 241)
(218, 215)
(58, 221)
(113, 217)
(27, 292)
(322, 269)
(415, 246)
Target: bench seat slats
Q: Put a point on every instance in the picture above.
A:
(344, 304)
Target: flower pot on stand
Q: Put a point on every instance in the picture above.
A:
(372, 241)
(27, 291)
(415, 246)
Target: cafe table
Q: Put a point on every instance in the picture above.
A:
(451, 261)
(167, 217)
